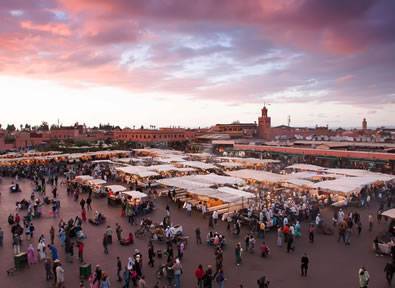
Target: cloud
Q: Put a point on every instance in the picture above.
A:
(280, 51)
(53, 28)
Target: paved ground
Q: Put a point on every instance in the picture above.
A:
(332, 263)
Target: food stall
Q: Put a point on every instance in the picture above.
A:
(131, 174)
(114, 197)
(198, 165)
(82, 179)
(96, 186)
(133, 198)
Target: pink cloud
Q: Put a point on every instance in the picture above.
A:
(53, 28)
(328, 38)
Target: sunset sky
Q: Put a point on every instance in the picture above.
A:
(197, 63)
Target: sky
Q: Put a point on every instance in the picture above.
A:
(197, 63)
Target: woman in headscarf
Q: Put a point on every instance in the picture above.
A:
(31, 255)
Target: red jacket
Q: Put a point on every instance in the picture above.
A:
(199, 273)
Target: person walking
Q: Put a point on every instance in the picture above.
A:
(199, 274)
(59, 276)
(238, 251)
(80, 246)
(304, 265)
(119, 269)
(370, 221)
(198, 236)
(105, 282)
(105, 243)
(109, 234)
(126, 278)
(88, 204)
(151, 255)
(363, 277)
(118, 232)
(177, 268)
(82, 204)
(311, 233)
(16, 244)
(290, 243)
(389, 272)
(52, 235)
(220, 278)
(48, 271)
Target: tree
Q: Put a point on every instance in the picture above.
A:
(10, 128)
(28, 127)
(44, 126)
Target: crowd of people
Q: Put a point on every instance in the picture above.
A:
(279, 215)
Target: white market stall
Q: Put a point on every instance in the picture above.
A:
(114, 194)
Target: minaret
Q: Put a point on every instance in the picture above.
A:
(264, 125)
(364, 124)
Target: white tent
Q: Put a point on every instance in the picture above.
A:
(167, 168)
(258, 175)
(116, 188)
(134, 194)
(83, 178)
(306, 167)
(96, 182)
(140, 171)
(299, 175)
(236, 192)
(230, 165)
(300, 182)
(200, 181)
(351, 184)
(199, 165)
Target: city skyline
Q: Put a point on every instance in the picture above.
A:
(167, 63)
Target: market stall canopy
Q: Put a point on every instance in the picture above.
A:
(214, 179)
(170, 159)
(179, 182)
(236, 192)
(249, 161)
(224, 194)
(116, 188)
(299, 175)
(129, 159)
(140, 171)
(199, 181)
(306, 167)
(168, 168)
(258, 175)
(102, 161)
(82, 178)
(134, 194)
(351, 172)
(230, 165)
(300, 183)
(199, 165)
(351, 184)
(389, 213)
(96, 182)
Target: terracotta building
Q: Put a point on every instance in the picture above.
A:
(236, 130)
(151, 135)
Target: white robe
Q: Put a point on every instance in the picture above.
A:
(41, 250)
